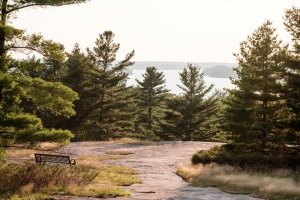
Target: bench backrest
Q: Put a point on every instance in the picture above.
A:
(43, 158)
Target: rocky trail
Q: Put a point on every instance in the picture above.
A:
(156, 165)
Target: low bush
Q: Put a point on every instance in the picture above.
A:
(249, 156)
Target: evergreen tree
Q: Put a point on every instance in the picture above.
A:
(77, 67)
(107, 89)
(252, 108)
(292, 73)
(152, 94)
(190, 114)
(20, 86)
(14, 39)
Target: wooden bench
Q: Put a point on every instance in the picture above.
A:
(50, 158)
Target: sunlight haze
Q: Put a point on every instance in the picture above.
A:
(159, 30)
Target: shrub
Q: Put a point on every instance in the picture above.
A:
(249, 156)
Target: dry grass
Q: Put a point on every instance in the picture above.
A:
(25, 181)
(126, 140)
(117, 175)
(99, 191)
(15, 153)
(132, 141)
(26, 151)
(47, 146)
(89, 178)
(120, 152)
(95, 160)
(279, 184)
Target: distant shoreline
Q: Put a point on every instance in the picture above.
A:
(169, 65)
(211, 69)
(173, 79)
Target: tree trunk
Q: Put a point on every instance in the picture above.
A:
(2, 36)
(150, 110)
(264, 126)
(2, 43)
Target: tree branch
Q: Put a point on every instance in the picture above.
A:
(25, 47)
(37, 4)
(26, 6)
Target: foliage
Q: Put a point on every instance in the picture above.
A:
(108, 111)
(252, 112)
(250, 156)
(152, 94)
(42, 96)
(292, 72)
(190, 114)
(25, 95)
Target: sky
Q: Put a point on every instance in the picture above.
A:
(159, 30)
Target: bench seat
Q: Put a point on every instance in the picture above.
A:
(51, 158)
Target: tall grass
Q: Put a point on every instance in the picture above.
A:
(277, 184)
(24, 180)
(33, 178)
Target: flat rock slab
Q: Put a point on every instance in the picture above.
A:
(156, 165)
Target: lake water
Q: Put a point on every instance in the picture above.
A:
(172, 80)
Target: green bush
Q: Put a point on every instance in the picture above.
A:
(244, 155)
(52, 135)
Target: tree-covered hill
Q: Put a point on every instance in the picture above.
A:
(220, 71)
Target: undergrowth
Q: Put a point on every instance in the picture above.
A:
(21, 181)
(249, 156)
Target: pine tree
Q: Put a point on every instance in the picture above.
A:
(252, 108)
(152, 94)
(190, 114)
(21, 87)
(107, 88)
(14, 39)
(77, 67)
(292, 73)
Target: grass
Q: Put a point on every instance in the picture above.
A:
(276, 184)
(133, 141)
(14, 153)
(117, 175)
(26, 151)
(95, 160)
(120, 152)
(90, 178)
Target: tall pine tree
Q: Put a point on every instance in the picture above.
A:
(109, 94)
(251, 114)
(292, 73)
(190, 114)
(152, 94)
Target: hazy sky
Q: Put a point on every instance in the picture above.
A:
(160, 30)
